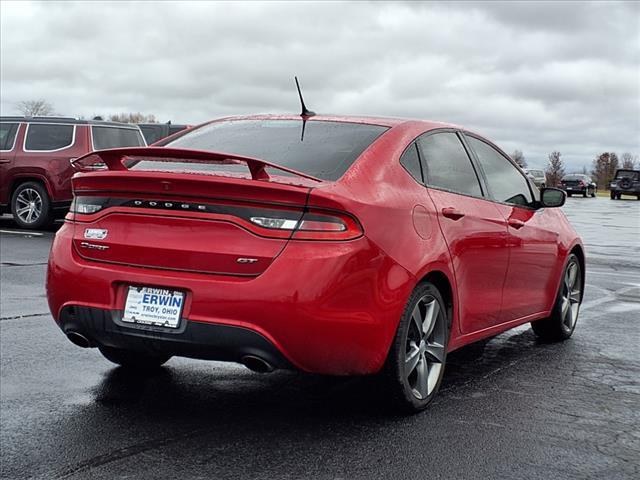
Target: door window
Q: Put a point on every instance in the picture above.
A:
(48, 136)
(505, 182)
(7, 135)
(447, 164)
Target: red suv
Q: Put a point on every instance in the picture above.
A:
(35, 162)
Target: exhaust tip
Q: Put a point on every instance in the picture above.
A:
(78, 339)
(257, 364)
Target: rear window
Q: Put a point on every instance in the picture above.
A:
(326, 150)
(7, 135)
(115, 137)
(627, 174)
(48, 136)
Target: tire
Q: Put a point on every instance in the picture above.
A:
(133, 360)
(619, 196)
(31, 206)
(613, 195)
(593, 193)
(585, 193)
(416, 360)
(564, 316)
(569, 194)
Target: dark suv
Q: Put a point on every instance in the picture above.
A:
(35, 162)
(579, 184)
(157, 131)
(626, 182)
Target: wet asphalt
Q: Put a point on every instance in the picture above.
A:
(513, 408)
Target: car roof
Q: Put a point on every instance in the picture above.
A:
(65, 120)
(368, 120)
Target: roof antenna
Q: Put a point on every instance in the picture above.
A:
(305, 114)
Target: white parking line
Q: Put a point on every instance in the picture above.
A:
(18, 232)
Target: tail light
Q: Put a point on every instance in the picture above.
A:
(314, 226)
(263, 220)
(581, 183)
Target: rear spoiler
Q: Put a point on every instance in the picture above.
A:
(113, 159)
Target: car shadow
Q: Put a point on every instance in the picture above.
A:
(211, 391)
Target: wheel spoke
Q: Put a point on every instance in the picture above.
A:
(574, 297)
(572, 272)
(21, 200)
(430, 317)
(422, 382)
(565, 306)
(435, 352)
(29, 215)
(412, 358)
(416, 316)
(22, 210)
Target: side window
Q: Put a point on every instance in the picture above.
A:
(48, 136)
(114, 137)
(411, 163)
(447, 164)
(7, 135)
(506, 184)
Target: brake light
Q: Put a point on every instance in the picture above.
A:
(314, 226)
(581, 183)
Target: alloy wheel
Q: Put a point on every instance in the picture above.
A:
(571, 295)
(29, 205)
(425, 347)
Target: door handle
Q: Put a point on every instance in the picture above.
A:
(452, 213)
(517, 224)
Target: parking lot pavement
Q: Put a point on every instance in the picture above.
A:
(515, 409)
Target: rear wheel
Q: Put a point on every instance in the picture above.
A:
(562, 322)
(613, 195)
(569, 194)
(585, 193)
(416, 360)
(593, 193)
(31, 206)
(133, 360)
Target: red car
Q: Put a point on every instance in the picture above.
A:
(35, 156)
(333, 245)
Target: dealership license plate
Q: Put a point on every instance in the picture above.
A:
(153, 306)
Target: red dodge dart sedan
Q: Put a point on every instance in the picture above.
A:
(332, 245)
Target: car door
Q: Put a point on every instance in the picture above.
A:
(8, 135)
(473, 228)
(533, 241)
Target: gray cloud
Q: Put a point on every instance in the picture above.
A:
(538, 76)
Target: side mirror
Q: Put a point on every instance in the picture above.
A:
(552, 197)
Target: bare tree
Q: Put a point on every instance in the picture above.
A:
(555, 169)
(133, 117)
(518, 157)
(628, 161)
(35, 108)
(604, 168)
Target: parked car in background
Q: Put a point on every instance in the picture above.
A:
(625, 182)
(578, 184)
(538, 177)
(35, 162)
(157, 131)
(366, 245)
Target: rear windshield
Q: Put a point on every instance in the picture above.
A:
(627, 174)
(326, 151)
(574, 177)
(536, 173)
(114, 137)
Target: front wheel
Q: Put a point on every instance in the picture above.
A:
(562, 321)
(133, 360)
(416, 360)
(31, 206)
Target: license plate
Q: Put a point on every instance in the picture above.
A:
(569, 188)
(153, 306)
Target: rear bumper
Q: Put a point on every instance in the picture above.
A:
(193, 339)
(325, 307)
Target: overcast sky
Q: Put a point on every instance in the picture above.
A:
(535, 76)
